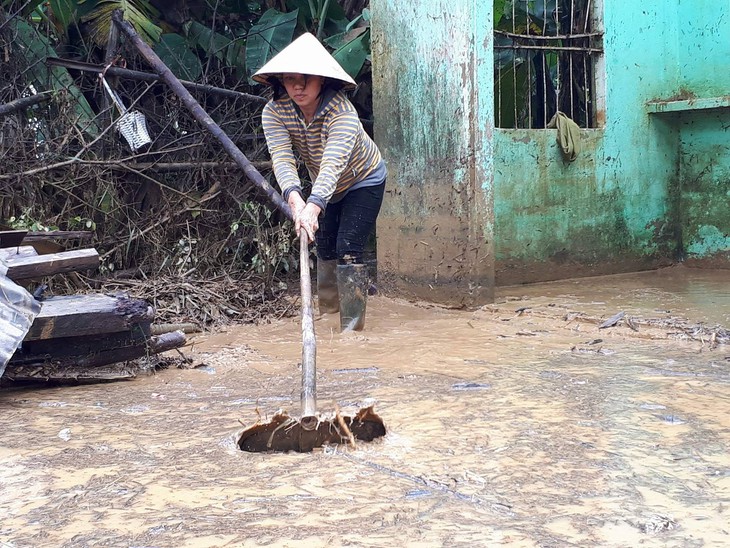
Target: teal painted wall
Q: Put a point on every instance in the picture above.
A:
(703, 46)
(431, 61)
(705, 177)
(704, 71)
(615, 208)
(647, 189)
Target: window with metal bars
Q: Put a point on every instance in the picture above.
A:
(545, 57)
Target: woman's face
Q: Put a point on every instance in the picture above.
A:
(304, 89)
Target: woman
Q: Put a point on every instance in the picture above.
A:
(311, 114)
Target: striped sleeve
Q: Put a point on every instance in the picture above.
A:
(280, 149)
(344, 130)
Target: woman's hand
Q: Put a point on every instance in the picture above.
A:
(308, 220)
(296, 203)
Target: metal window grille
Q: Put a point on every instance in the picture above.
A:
(545, 54)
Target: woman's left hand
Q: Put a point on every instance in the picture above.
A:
(308, 220)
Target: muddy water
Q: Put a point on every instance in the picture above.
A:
(703, 295)
(514, 424)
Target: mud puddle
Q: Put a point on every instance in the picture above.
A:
(506, 425)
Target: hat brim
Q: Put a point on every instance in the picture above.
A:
(305, 55)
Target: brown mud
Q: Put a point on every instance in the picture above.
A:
(521, 423)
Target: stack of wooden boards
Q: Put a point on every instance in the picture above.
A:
(73, 337)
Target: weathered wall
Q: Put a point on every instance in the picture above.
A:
(435, 230)
(704, 49)
(468, 206)
(705, 176)
(615, 208)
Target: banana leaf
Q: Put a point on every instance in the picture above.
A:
(37, 48)
(269, 36)
(174, 50)
(62, 13)
(140, 13)
(335, 20)
(211, 42)
(352, 55)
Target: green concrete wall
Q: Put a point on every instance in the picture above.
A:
(431, 62)
(469, 205)
(703, 48)
(615, 208)
(705, 176)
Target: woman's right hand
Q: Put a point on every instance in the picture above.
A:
(308, 221)
(297, 204)
(305, 216)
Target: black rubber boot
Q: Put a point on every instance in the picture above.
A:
(352, 282)
(327, 295)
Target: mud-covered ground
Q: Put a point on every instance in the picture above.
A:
(522, 423)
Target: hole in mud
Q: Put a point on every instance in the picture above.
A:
(284, 433)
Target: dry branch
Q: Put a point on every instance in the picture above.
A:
(149, 77)
(24, 102)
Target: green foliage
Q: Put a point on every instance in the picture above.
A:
(239, 34)
(37, 48)
(212, 43)
(272, 252)
(26, 222)
(273, 32)
(63, 14)
(82, 223)
(140, 13)
(498, 12)
(175, 52)
(353, 54)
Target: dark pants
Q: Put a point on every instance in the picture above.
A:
(345, 226)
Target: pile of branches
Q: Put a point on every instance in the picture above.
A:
(219, 300)
(176, 209)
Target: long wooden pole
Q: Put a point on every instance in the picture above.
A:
(309, 342)
(200, 115)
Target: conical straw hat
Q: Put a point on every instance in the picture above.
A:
(305, 55)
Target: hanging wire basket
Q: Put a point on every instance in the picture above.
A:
(132, 124)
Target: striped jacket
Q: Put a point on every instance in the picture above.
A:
(334, 147)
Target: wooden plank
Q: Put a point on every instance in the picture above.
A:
(23, 268)
(11, 238)
(37, 350)
(34, 373)
(17, 252)
(79, 315)
(92, 366)
(58, 235)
